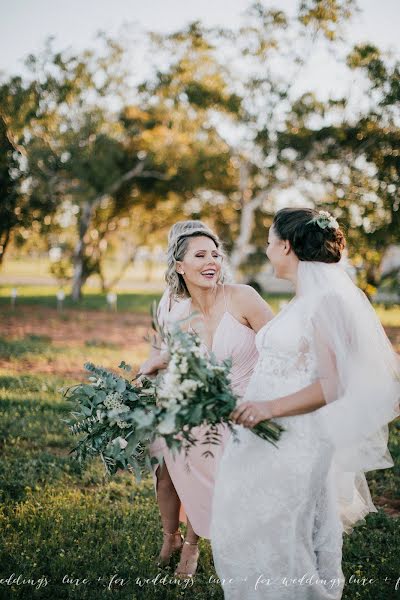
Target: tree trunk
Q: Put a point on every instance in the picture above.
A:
(4, 239)
(88, 209)
(79, 253)
(242, 247)
(107, 286)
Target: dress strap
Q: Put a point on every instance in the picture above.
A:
(169, 305)
(190, 328)
(226, 304)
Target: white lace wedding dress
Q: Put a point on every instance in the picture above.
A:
(276, 532)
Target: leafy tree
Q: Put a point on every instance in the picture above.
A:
(355, 160)
(9, 176)
(219, 132)
(22, 205)
(245, 100)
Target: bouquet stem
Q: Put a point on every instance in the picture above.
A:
(269, 431)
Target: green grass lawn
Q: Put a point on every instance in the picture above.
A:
(92, 300)
(140, 301)
(58, 521)
(27, 267)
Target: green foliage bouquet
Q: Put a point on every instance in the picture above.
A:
(116, 416)
(196, 390)
(119, 418)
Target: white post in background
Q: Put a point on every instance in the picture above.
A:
(112, 301)
(14, 294)
(60, 299)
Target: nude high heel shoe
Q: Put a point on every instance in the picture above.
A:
(187, 568)
(174, 546)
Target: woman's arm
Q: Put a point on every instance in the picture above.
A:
(158, 359)
(251, 307)
(306, 400)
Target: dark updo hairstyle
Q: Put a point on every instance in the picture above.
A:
(309, 240)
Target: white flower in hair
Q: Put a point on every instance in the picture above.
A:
(324, 219)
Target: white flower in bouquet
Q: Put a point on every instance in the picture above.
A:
(170, 384)
(113, 400)
(115, 412)
(143, 418)
(121, 441)
(168, 424)
(188, 386)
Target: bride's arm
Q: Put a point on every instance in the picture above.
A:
(303, 401)
(326, 388)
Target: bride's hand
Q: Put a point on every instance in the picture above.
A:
(250, 414)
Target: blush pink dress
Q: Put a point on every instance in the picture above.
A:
(195, 475)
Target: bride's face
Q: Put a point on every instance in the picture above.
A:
(277, 254)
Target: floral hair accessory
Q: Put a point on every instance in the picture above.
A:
(324, 219)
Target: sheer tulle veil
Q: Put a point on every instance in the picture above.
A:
(360, 376)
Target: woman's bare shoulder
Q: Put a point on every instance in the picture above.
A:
(241, 291)
(247, 302)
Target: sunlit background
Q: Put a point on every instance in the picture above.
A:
(223, 111)
(229, 119)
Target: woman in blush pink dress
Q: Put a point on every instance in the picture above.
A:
(226, 317)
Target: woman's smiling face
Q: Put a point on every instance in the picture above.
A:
(201, 265)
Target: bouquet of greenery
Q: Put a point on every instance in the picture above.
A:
(195, 390)
(117, 417)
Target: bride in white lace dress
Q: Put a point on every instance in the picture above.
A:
(328, 374)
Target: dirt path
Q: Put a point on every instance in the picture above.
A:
(122, 335)
(75, 327)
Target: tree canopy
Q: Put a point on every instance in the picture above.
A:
(218, 130)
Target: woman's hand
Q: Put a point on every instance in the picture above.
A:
(250, 414)
(154, 364)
